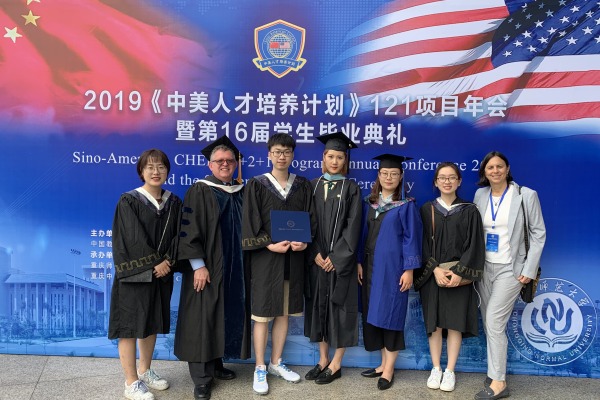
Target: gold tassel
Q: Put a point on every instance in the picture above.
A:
(239, 177)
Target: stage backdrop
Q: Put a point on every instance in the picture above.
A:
(87, 85)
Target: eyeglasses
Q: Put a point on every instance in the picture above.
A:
(279, 153)
(393, 175)
(151, 168)
(224, 161)
(451, 179)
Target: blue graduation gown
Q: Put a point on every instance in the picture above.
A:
(397, 249)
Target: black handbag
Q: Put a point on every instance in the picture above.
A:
(528, 290)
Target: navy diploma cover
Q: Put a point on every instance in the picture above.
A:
(290, 225)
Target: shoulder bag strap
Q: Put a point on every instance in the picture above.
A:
(432, 231)
(164, 230)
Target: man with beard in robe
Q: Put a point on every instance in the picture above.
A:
(212, 320)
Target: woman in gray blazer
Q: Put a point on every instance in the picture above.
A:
(508, 266)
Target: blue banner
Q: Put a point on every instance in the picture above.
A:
(87, 85)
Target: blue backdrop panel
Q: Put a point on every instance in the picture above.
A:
(87, 85)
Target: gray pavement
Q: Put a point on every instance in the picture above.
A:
(50, 377)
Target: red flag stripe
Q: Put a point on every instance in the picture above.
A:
(418, 47)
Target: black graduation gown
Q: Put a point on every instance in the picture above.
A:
(267, 267)
(334, 303)
(458, 237)
(212, 323)
(138, 310)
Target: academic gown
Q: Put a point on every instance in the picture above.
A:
(458, 237)
(392, 246)
(333, 315)
(268, 268)
(212, 323)
(138, 310)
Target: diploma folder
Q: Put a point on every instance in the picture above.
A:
(290, 225)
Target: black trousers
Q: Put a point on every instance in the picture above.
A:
(202, 373)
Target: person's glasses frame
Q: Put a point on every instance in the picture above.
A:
(393, 175)
(224, 161)
(160, 168)
(279, 153)
(443, 179)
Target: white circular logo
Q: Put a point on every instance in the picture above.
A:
(558, 327)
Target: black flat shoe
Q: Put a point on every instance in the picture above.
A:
(202, 392)
(224, 374)
(313, 373)
(384, 384)
(371, 373)
(487, 382)
(327, 376)
(488, 394)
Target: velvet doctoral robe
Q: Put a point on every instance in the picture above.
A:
(212, 322)
(138, 310)
(332, 312)
(268, 269)
(392, 246)
(458, 237)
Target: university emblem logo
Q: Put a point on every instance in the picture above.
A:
(279, 46)
(558, 327)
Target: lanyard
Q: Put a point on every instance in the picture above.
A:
(495, 214)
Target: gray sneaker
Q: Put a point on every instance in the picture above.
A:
(153, 381)
(435, 378)
(260, 384)
(448, 381)
(137, 391)
(281, 370)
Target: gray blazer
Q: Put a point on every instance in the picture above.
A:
(535, 223)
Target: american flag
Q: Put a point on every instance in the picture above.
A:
(540, 58)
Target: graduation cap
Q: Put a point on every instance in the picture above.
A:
(391, 160)
(337, 141)
(225, 141)
(222, 141)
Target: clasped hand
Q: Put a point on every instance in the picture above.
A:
(285, 245)
(446, 278)
(162, 269)
(326, 264)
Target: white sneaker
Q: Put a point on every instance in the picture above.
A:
(153, 381)
(281, 370)
(260, 385)
(433, 382)
(448, 381)
(137, 391)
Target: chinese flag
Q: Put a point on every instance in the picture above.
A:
(80, 45)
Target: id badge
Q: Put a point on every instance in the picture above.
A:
(491, 242)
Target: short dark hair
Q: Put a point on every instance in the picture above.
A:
(282, 139)
(483, 181)
(444, 165)
(151, 155)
